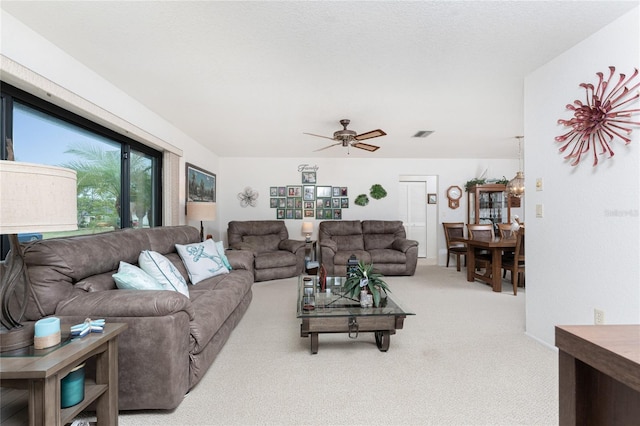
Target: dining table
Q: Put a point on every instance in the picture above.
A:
(495, 246)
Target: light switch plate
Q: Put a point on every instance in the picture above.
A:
(539, 184)
(539, 210)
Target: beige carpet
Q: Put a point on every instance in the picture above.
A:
(463, 359)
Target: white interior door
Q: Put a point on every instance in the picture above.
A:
(413, 213)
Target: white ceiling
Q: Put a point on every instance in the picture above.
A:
(248, 78)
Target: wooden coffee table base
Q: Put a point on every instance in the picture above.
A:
(382, 326)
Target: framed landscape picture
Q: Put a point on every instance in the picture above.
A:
(201, 184)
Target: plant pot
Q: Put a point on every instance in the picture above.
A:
(366, 299)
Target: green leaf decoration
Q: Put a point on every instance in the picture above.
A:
(473, 182)
(377, 191)
(361, 200)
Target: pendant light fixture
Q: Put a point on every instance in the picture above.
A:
(515, 187)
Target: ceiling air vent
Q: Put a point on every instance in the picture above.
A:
(423, 133)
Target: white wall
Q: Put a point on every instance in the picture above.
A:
(45, 61)
(585, 252)
(358, 175)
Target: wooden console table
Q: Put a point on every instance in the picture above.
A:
(41, 375)
(599, 374)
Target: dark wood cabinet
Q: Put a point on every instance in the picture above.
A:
(488, 204)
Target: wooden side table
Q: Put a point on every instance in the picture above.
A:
(41, 375)
(599, 374)
(310, 252)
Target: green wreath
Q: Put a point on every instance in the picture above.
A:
(377, 191)
(361, 200)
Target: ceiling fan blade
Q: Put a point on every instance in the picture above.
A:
(320, 136)
(372, 134)
(365, 146)
(328, 146)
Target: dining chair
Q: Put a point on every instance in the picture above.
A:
(482, 231)
(516, 264)
(505, 230)
(457, 249)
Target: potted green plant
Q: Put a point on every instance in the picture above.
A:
(363, 278)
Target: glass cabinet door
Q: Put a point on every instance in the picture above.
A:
(488, 204)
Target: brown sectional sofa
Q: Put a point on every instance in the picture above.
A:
(171, 340)
(380, 242)
(274, 254)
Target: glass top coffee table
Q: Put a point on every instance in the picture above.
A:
(332, 311)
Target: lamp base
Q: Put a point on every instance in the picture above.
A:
(16, 338)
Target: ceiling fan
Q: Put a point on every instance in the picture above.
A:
(348, 138)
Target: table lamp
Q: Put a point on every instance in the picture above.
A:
(307, 229)
(35, 198)
(202, 211)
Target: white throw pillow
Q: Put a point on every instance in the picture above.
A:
(163, 271)
(131, 277)
(223, 256)
(201, 260)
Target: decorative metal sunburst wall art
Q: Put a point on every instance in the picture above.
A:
(601, 118)
(248, 197)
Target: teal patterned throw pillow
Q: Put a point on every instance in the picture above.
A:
(220, 249)
(201, 260)
(131, 277)
(163, 271)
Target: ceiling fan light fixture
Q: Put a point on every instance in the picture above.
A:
(347, 138)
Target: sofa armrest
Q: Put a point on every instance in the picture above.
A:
(291, 245)
(126, 303)
(402, 244)
(240, 259)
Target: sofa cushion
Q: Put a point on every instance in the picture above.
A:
(380, 234)
(163, 271)
(387, 256)
(131, 277)
(262, 243)
(349, 242)
(201, 260)
(275, 259)
(100, 282)
(342, 257)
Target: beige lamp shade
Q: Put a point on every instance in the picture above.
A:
(201, 211)
(37, 198)
(307, 227)
(307, 230)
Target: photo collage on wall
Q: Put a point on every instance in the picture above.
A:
(309, 200)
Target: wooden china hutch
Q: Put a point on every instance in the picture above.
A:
(488, 203)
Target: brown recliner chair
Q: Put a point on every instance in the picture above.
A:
(380, 242)
(274, 254)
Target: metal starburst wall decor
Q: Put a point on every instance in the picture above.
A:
(248, 197)
(601, 118)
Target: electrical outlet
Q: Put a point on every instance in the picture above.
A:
(598, 316)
